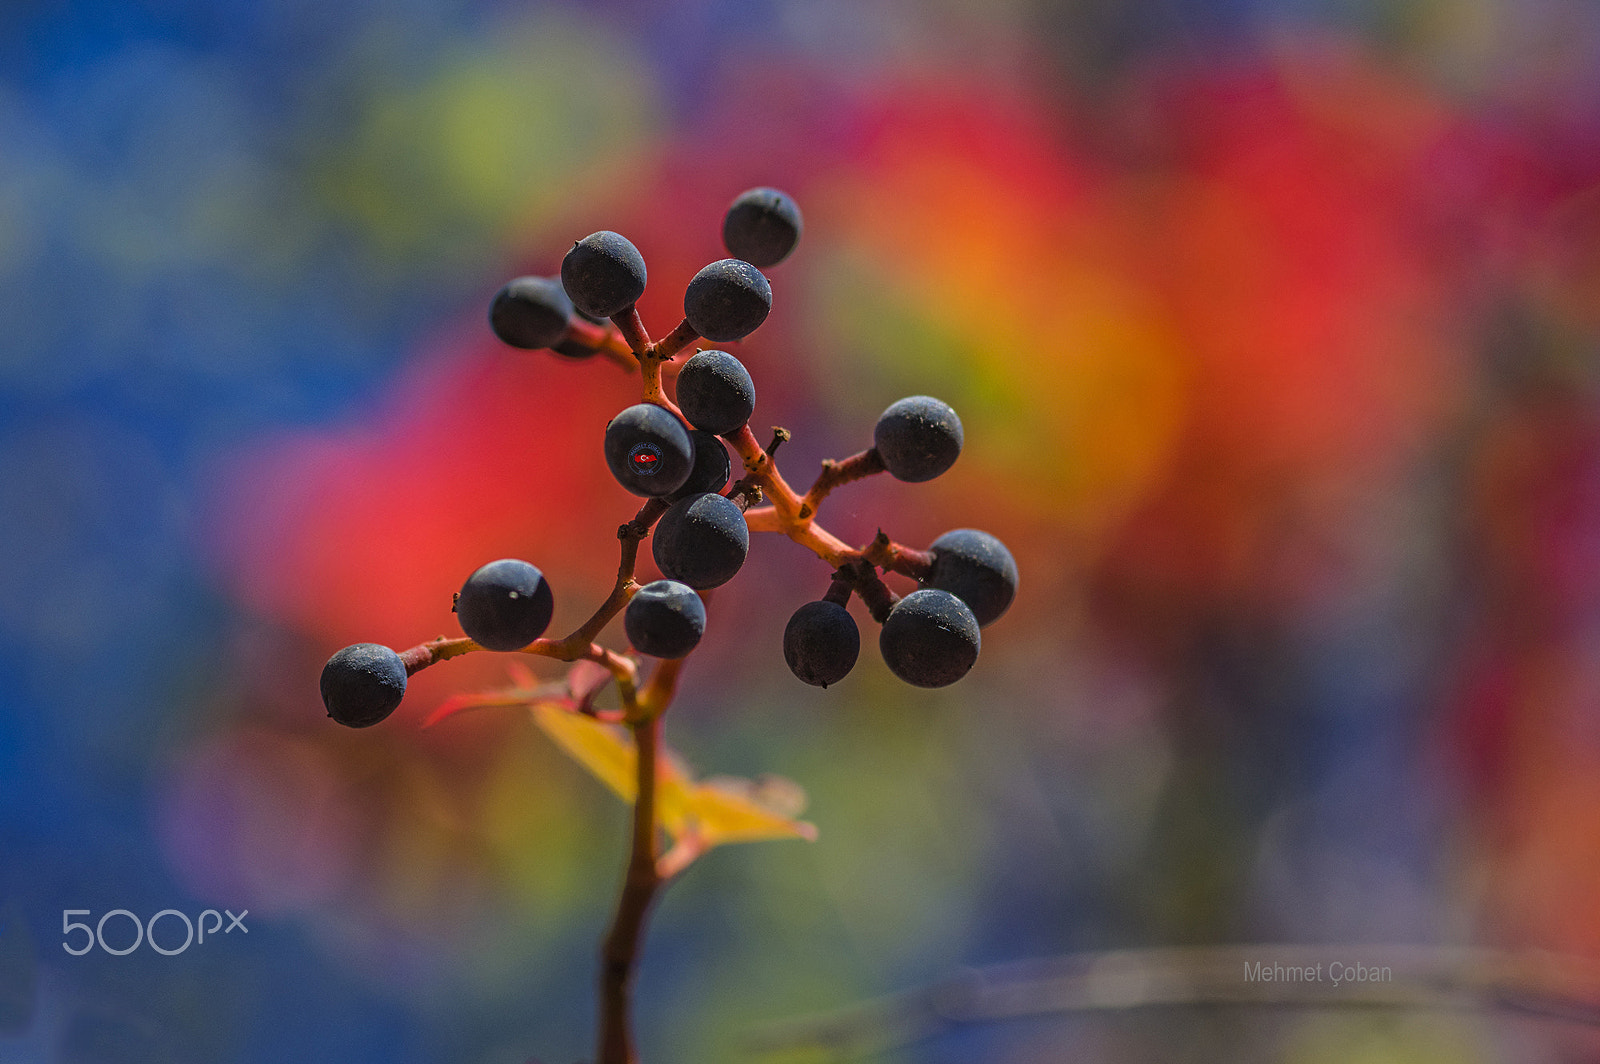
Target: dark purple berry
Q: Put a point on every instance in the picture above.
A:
(530, 312)
(727, 300)
(363, 684)
(930, 639)
(648, 450)
(918, 438)
(976, 568)
(701, 541)
(604, 274)
(761, 227)
(505, 605)
(664, 619)
(712, 466)
(715, 392)
(821, 643)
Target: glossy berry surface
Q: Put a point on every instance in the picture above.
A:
(664, 619)
(530, 312)
(727, 300)
(648, 450)
(505, 605)
(976, 568)
(918, 438)
(603, 274)
(821, 643)
(761, 227)
(701, 541)
(712, 466)
(930, 639)
(363, 684)
(715, 392)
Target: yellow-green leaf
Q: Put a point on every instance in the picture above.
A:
(718, 810)
(726, 809)
(606, 750)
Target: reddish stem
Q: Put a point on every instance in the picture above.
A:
(580, 644)
(650, 371)
(632, 328)
(842, 471)
(602, 338)
(885, 553)
(762, 519)
(620, 953)
(863, 578)
(680, 337)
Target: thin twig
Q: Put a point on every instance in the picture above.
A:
(837, 472)
(680, 337)
(631, 326)
(580, 644)
(893, 557)
(784, 513)
(620, 953)
(604, 339)
(1555, 987)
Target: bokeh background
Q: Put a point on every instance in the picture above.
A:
(1273, 326)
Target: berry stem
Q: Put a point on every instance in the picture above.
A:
(886, 554)
(784, 513)
(745, 494)
(839, 589)
(434, 651)
(680, 337)
(620, 953)
(864, 579)
(580, 645)
(763, 519)
(632, 328)
(842, 471)
(656, 695)
(601, 338)
(650, 371)
(759, 464)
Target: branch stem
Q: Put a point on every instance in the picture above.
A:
(837, 472)
(631, 326)
(620, 953)
(602, 338)
(784, 514)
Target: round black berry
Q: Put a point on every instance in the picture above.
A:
(505, 605)
(727, 300)
(362, 684)
(918, 438)
(604, 274)
(715, 392)
(701, 541)
(821, 643)
(649, 451)
(930, 638)
(530, 312)
(976, 568)
(664, 619)
(712, 466)
(761, 227)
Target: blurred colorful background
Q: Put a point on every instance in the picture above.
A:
(1273, 325)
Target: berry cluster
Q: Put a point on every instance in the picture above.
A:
(674, 453)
